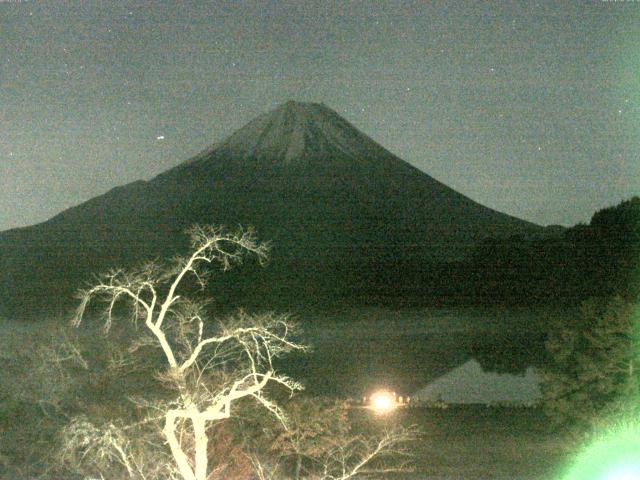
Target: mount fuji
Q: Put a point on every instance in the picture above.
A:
(346, 217)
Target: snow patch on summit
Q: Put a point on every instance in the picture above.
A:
(295, 130)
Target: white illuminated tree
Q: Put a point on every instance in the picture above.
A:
(209, 367)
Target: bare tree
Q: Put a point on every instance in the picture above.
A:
(368, 456)
(323, 443)
(210, 367)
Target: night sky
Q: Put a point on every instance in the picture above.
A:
(531, 108)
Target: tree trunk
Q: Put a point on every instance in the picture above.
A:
(298, 466)
(176, 450)
(201, 440)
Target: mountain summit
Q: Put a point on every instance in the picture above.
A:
(296, 131)
(346, 217)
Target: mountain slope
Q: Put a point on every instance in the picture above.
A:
(343, 213)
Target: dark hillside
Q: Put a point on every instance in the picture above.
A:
(601, 259)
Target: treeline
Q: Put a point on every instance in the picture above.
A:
(596, 260)
(563, 266)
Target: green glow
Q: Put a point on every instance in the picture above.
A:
(615, 456)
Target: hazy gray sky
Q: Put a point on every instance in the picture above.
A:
(531, 108)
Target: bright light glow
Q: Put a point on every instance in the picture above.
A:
(613, 456)
(626, 472)
(383, 401)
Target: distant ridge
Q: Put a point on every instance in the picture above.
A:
(344, 215)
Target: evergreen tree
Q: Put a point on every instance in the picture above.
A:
(594, 363)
